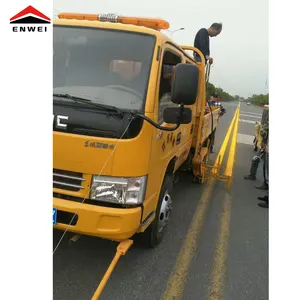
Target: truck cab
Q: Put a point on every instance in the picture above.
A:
(112, 82)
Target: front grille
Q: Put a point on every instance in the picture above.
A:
(67, 180)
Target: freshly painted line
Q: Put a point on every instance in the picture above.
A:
(232, 149)
(178, 277)
(222, 151)
(177, 280)
(217, 279)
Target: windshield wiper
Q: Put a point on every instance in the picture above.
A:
(90, 103)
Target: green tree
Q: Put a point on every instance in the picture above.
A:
(259, 99)
(221, 93)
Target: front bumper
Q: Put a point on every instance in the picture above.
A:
(105, 222)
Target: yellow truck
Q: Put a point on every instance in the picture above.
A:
(128, 112)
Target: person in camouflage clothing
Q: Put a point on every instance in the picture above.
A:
(265, 185)
(264, 132)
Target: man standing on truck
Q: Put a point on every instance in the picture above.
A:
(201, 41)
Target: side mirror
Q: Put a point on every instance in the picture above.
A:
(177, 115)
(185, 85)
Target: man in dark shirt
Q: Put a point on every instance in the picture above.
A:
(202, 41)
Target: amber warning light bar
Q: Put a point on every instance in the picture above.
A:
(153, 23)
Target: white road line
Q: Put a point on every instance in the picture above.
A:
(251, 113)
(246, 139)
(247, 121)
(250, 116)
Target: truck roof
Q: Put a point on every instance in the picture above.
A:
(110, 25)
(119, 26)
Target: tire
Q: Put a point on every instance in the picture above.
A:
(153, 235)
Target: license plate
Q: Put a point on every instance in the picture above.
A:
(54, 215)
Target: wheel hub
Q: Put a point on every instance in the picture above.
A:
(165, 210)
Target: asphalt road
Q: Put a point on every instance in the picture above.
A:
(216, 245)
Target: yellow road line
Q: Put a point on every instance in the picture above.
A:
(178, 277)
(225, 143)
(216, 287)
(176, 282)
(230, 161)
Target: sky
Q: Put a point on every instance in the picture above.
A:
(240, 52)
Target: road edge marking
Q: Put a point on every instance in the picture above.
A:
(217, 278)
(177, 280)
(223, 148)
(232, 150)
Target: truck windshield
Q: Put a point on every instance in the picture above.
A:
(105, 66)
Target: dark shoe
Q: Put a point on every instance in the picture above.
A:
(250, 177)
(264, 205)
(264, 186)
(265, 198)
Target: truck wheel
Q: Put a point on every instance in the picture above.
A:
(154, 233)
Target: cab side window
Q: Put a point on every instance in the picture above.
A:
(170, 60)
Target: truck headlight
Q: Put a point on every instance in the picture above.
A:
(130, 190)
